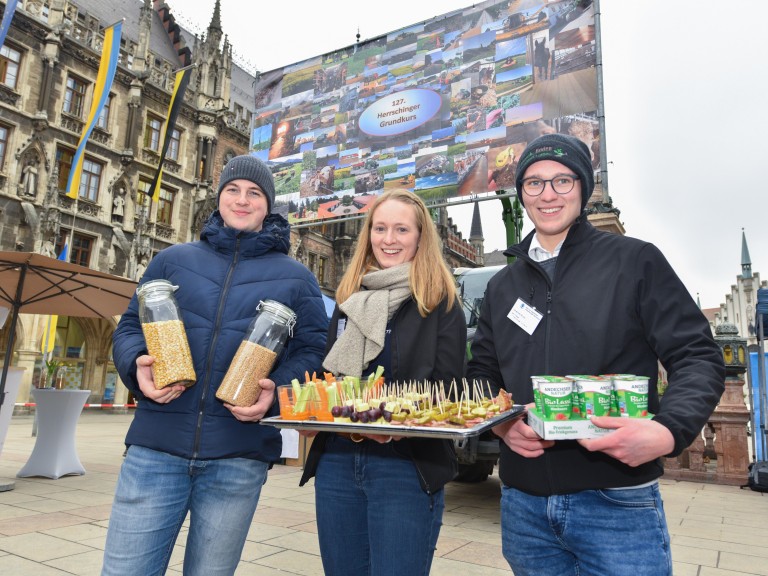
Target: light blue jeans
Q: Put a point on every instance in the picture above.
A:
(155, 491)
(373, 518)
(591, 533)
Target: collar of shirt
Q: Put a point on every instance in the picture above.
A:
(539, 253)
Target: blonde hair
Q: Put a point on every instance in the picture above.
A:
(430, 280)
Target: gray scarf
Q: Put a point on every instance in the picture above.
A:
(363, 337)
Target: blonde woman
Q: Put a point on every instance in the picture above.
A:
(379, 502)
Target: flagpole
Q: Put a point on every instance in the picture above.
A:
(74, 216)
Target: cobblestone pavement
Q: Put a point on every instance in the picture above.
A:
(58, 527)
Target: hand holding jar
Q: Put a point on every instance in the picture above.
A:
(164, 333)
(264, 341)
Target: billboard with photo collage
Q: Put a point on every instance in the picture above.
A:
(442, 108)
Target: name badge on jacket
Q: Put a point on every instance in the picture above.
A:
(525, 316)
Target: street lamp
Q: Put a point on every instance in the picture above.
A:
(730, 418)
(733, 348)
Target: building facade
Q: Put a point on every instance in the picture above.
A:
(48, 69)
(739, 306)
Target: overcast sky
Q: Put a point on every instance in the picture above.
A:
(685, 89)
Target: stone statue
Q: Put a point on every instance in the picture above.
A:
(48, 249)
(29, 179)
(111, 257)
(140, 267)
(118, 202)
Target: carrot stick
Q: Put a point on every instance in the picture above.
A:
(323, 412)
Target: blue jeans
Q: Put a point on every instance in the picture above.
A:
(373, 518)
(155, 491)
(612, 532)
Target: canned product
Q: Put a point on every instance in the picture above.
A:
(631, 396)
(556, 397)
(536, 393)
(594, 395)
(614, 397)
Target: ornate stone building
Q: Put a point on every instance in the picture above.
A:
(739, 306)
(48, 69)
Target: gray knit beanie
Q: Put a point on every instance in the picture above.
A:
(562, 148)
(250, 168)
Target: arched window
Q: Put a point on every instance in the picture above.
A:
(69, 351)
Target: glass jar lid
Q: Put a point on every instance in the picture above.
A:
(285, 314)
(158, 288)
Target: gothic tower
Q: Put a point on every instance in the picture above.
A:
(746, 262)
(213, 56)
(476, 235)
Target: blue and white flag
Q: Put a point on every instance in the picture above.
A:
(107, 69)
(10, 8)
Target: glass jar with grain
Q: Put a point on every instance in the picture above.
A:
(165, 335)
(264, 341)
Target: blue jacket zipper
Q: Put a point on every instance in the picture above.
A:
(216, 327)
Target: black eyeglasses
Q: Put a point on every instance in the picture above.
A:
(560, 184)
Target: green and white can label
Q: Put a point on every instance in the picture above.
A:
(595, 396)
(632, 396)
(556, 397)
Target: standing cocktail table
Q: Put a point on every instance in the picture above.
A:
(54, 454)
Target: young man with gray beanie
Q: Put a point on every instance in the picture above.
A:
(246, 178)
(251, 169)
(589, 302)
(188, 452)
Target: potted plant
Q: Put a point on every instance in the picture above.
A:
(49, 375)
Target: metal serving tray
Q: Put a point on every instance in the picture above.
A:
(398, 429)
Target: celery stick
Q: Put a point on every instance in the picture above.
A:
(296, 386)
(301, 403)
(333, 396)
(355, 385)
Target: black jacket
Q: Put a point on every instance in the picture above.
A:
(615, 307)
(430, 348)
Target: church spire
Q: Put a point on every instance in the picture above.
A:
(476, 231)
(476, 235)
(216, 19)
(214, 28)
(746, 262)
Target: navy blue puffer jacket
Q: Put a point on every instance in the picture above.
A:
(221, 280)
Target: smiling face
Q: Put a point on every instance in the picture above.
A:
(394, 233)
(552, 214)
(243, 205)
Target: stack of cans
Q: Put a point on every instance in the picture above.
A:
(577, 397)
